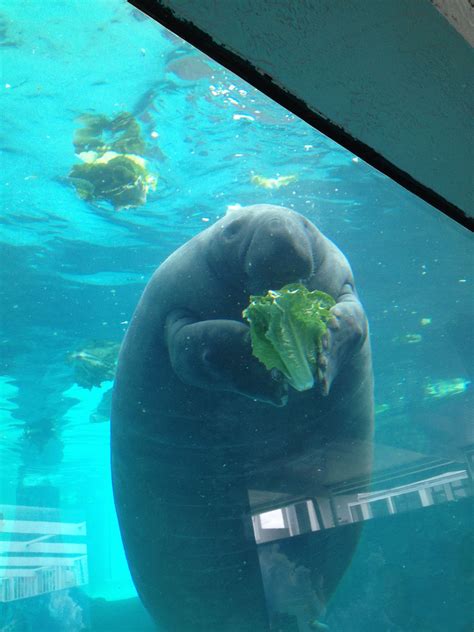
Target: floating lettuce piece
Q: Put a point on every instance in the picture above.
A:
(113, 168)
(121, 179)
(286, 328)
(94, 362)
(272, 183)
(99, 133)
(446, 388)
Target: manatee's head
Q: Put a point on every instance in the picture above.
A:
(263, 247)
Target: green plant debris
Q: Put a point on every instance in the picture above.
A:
(112, 168)
(272, 183)
(121, 179)
(95, 362)
(446, 388)
(99, 133)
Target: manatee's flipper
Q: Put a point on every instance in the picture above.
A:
(217, 355)
(347, 331)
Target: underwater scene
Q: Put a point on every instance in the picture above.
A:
(232, 466)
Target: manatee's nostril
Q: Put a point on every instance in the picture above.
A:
(232, 229)
(275, 222)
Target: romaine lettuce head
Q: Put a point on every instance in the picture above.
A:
(286, 328)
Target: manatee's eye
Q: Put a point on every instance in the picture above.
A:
(232, 229)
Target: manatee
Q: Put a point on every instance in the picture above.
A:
(199, 425)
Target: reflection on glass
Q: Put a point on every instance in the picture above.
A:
(110, 163)
(41, 553)
(361, 506)
(272, 519)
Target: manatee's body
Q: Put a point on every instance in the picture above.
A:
(197, 421)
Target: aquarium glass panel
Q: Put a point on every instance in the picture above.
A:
(242, 503)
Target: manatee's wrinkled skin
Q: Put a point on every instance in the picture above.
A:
(197, 420)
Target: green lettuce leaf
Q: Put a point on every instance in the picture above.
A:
(286, 328)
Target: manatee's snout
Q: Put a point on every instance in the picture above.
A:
(279, 253)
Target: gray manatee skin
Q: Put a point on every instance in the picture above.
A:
(197, 420)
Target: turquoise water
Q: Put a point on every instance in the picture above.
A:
(72, 273)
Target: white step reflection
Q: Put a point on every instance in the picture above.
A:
(54, 560)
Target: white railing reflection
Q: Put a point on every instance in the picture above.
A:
(39, 552)
(338, 509)
(431, 491)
